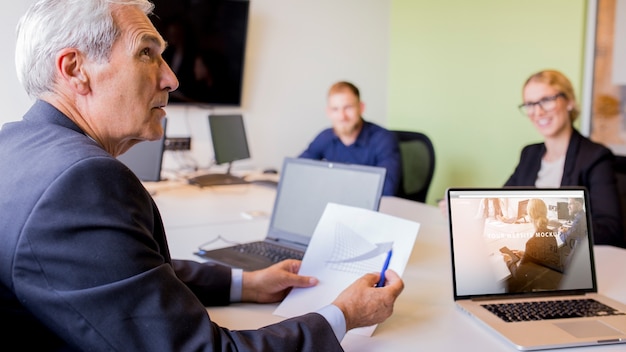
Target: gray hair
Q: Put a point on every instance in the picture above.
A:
(51, 25)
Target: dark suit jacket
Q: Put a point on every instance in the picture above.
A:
(587, 164)
(540, 267)
(84, 262)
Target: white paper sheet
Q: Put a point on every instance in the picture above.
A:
(348, 242)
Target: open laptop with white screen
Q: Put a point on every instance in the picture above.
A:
(304, 188)
(504, 258)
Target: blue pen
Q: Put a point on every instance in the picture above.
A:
(381, 282)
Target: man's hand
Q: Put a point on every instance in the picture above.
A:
(363, 304)
(273, 283)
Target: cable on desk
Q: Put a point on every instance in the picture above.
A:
(201, 250)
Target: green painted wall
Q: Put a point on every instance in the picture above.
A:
(456, 73)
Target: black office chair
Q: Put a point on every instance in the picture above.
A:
(418, 165)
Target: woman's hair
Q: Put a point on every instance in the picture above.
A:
(560, 82)
(538, 213)
(51, 25)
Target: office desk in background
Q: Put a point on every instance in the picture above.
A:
(425, 317)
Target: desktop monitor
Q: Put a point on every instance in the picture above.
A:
(522, 209)
(228, 135)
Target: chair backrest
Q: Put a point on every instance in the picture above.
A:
(418, 165)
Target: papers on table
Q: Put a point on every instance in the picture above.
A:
(348, 242)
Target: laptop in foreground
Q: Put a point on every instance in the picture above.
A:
(304, 188)
(501, 263)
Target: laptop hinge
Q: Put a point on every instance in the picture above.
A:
(284, 242)
(530, 295)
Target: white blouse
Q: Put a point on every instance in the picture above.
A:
(550, 173)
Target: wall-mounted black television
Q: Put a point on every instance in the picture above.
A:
(206, 48)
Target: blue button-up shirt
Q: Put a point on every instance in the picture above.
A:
(375, 146)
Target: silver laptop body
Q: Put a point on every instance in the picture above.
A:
(488, 228)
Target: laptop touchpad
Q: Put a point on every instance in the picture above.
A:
(591, 328)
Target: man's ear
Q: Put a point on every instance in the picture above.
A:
(70, 66)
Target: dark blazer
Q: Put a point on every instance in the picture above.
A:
(587, 164)
(84, 262)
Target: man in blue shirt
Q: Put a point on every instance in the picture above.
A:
(353, 140)
(570, 236)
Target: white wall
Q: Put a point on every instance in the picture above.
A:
(295, 51)
(14, 99)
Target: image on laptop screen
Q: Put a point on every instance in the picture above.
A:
(508, 241)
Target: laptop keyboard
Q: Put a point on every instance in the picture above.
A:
(557, 309)
(273, 252)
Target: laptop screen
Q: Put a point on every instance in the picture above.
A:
(145, 158)
(306, 186)
(518, 240)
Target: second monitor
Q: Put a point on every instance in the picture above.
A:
(228, 135)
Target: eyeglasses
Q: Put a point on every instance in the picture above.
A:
(546, 104)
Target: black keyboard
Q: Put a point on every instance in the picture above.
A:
(557, 309)
(207, 180)
(274, 252)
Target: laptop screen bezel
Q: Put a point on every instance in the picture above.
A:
(538, 192)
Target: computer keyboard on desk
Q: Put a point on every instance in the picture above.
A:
(265, 249)
(556, 309)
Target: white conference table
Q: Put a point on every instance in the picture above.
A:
(425, 317)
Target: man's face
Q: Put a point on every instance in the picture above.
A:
(129, 92)
(574, 207)
(344, 110)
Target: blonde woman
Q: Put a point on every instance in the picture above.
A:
(539, 265)
(565, 157)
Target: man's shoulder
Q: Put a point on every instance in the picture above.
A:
(374, 127)
(376, 131)
(325, 135)
(59, 151)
